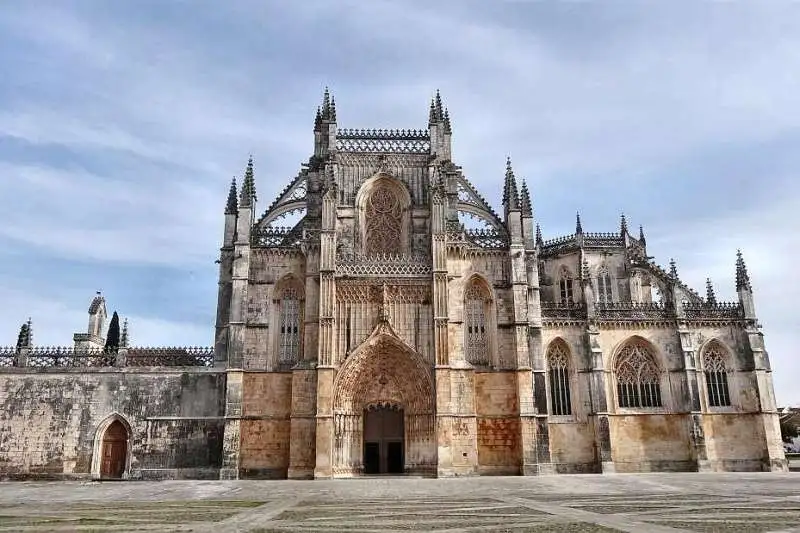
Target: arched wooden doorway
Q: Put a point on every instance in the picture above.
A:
(114, 451)
(384, 429)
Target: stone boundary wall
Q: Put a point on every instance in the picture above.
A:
(51, 420)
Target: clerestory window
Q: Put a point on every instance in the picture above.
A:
(565, 286)
(604, 292)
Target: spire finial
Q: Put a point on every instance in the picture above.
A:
(248, 194)
(538, 236)
(641, 236)
(446, 119)
(527, 208)
(673, 269)
(623, 225)
(333, 109)
(432, 113)
(439, 108)
(711, 298)
(742, 277)
(30, 332)
(123, 341)
(318, 120)
(510, 193)
(232, 206)
(578, 226)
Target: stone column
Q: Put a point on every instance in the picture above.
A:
(775, 458)
(231, 440)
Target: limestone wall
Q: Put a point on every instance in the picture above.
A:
(498, 428)
(651, 443)
(265, 427)
(49, 421)
(735, 442)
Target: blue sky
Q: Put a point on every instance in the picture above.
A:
(121, 124)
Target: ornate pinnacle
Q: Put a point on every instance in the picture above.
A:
(641, 236)
(673, 270)
(231, 207)
(123, 341)
(510, 193)
(432, 113)
(29, 332)
(248, 194)
(742, 277)
(447, 128)
(332, 117)
(710, 296)
(538, 236)
(623, 225)
(578, 227)
(326, 103)
(318, 120)
(527, 209)
(439, 109)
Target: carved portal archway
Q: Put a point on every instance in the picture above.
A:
(384, 371)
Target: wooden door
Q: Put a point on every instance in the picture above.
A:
(114, 453)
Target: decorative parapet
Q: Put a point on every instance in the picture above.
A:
(603, 240)
(8, 356)
(559, 244)
(561, 311)
(713, 311)
(281, 237)
(68, 357)
(396, 265)
(488, 238)
(393, 141)
(633, 311)
(174, 356)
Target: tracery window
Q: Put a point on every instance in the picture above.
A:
(565, 285)
(383, 220)
(716, 376)
(638, 377)
(558, 371)
(604, 293)
(476, 332)
(289, 328)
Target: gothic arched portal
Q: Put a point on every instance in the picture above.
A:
(383, 392)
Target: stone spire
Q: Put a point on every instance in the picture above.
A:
(318, 121)
(641, 236)
(578, 227)
(438, 105)
(123, 340)
(446, 120)
(232, 206)
(711, 298)
(510, 193)
(673, 270)
(539, 241)
(527, 208)
(623, 225)
(742, 277)
(248, 195)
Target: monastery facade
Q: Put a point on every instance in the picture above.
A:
(401, 326)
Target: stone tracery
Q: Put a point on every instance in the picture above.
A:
(638, 377)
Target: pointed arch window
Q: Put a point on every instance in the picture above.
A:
(638, 377)
(565, 287)
(476, 329)
(383, 220)
(289, 327)
(558, 372)
(716, 372)
(604, 292)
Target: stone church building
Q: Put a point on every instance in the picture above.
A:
(379, 317)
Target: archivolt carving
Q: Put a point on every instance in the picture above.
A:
(383, 369)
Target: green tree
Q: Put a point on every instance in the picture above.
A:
(112, 337)
(789, 428)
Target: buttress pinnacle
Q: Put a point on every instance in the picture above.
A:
(510, 193)
(248, 195)
(578, 226)
(623, 225)
(231, 208)
(527, 208)
(742, 277)
(673, 269)
(641, 236)
(539, 241)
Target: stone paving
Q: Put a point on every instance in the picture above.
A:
(587, 503)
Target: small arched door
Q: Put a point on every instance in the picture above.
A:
(383, 439)
(114, 451)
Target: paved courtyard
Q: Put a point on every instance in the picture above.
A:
(587, 503)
